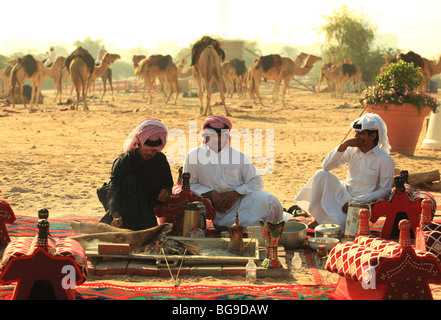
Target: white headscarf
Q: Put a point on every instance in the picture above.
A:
(372, 121)
(147, 129)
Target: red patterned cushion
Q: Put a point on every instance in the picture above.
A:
(386, 246)
(72, 248)
(56, 247)
(434, 226)
(16, 248)
(360, 259)
(433, 243)
(354, 261)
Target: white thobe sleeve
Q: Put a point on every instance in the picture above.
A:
(335, 159)
(252, 180)
(387, 172)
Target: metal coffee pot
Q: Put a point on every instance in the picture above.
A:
(236, 237)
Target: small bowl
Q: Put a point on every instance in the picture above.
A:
(317, 241)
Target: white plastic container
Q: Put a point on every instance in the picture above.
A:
(251, 270)
(296, 263)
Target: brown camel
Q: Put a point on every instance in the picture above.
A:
(336, 76)
(234, 72)
(330, 82)
(139, 63)
(283, 70)
(207, 68)
(5, 75)
(5, 78)
(64, 78)
(35, 71)
(107, 76)
(54, 72)
(26, 68)
(355, 76)
(180, 67)
(428, 68)
(334, 73)
(80, 65)
(157, 66)
(100, 70)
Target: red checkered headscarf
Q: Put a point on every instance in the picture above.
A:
(150, 129)
(217, 124)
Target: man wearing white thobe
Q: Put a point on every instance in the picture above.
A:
(51, 56)
(369, 176)
(101, 52)
(228, 178)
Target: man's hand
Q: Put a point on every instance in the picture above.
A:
(215, 198)
(163, 195)
(228, 199)
(354, 142)
(345, 207)
(117, 220)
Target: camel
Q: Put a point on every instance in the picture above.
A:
(337, 75)
(5, 75)
(157, 66)
(330, 82)
(27, 91)
(18, 75)
(282, 71)
(107, 76)
(100, 70)
(428, 68)
(35, 71)
(234, 72)
(180, 67)
(64, 78)
(207, 68)
(80, 65)
(139, 62)
(26, 68)
(356, 79)
(54, 72)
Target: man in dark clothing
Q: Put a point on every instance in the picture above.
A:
(140, 178)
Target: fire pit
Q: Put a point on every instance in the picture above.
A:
(212, 251)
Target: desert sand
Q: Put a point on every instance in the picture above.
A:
(55, 157)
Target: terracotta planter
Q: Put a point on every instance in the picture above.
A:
(404, 125)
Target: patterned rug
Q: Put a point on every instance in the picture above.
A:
(25, 226)
(105, 291)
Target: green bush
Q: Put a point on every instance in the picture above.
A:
(398, 84)
(402, 76)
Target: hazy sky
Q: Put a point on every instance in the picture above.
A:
(131, 23)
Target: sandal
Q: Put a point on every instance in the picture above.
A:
(296, 211)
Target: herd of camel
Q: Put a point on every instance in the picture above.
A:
(207, 66)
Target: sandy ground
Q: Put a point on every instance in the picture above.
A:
(56, 158)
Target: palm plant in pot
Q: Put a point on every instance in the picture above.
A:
(396, 99)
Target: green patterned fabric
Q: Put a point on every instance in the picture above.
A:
(105, 291)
